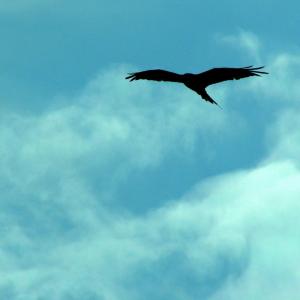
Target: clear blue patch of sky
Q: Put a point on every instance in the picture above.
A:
(59, 48)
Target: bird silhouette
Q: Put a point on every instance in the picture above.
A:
(198, 82)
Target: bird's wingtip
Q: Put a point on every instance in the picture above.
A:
(130, 76)
(255, 71)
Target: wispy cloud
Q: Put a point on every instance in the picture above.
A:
(246, 41)
(48, 206)
(110, 123)
(283, 85)
(231, 237)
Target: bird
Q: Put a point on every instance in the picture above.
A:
(199, 82)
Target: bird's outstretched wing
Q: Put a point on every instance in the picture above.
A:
(157, 75)
(222, 74)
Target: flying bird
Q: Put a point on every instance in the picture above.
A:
(198, 82)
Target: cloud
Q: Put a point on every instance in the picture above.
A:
(282, 83)
(48, 206)
(245, 40)
(229, 237)
(224, 239)
(110, 123)
(285, 138)
(232, 236)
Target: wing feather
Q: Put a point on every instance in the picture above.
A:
(216, 75)
(157, 75)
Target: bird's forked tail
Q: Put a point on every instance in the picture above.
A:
(206, 97)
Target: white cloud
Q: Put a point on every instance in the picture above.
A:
(283, 81)
(243, 226)
(48, 207)
(112, 122)
(245, 40)
(285, 137)
(230, 237)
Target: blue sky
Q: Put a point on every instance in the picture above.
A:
(116, 190)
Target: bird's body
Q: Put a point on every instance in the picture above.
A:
(198, 82)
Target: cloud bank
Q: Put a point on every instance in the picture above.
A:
(229, 237)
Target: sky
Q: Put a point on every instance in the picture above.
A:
(114, 190)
